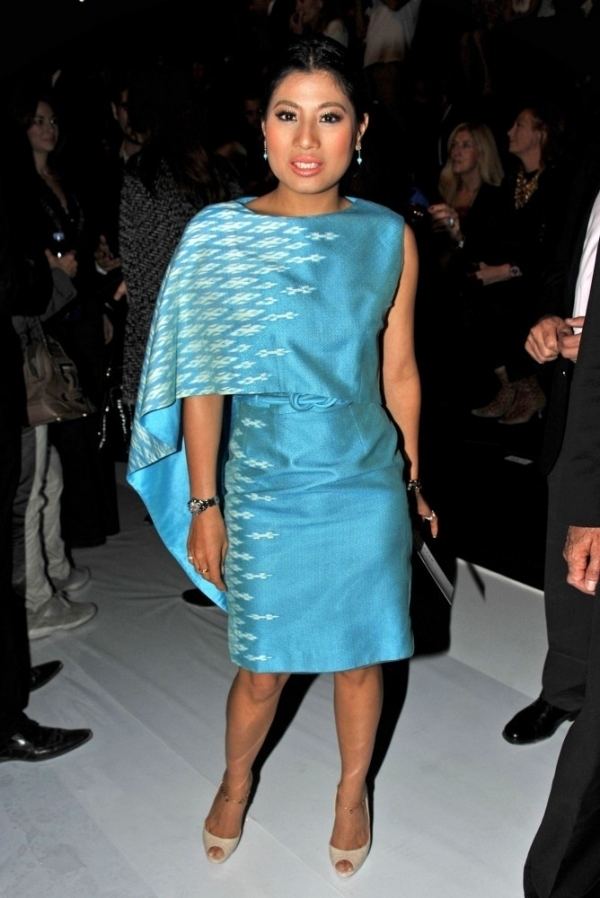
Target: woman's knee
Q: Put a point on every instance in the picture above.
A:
(358, 676)
(262, 686)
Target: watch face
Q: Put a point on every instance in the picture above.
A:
(197, 506)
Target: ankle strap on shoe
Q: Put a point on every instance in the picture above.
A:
(226, 797)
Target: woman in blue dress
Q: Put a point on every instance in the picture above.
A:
(299, 305)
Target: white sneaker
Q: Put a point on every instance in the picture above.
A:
(58, 613)
(77, 579)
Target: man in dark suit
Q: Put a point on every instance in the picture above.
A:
(557, 337)
(564, 859)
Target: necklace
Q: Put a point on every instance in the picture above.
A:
(525, 188)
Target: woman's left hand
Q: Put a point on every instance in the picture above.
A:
(492, 274)
(66, 263)
(108, 329)
(427, 514)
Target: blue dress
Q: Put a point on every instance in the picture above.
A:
(284, 314)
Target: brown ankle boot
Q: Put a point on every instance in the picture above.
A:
(499, 405)
(529, 400)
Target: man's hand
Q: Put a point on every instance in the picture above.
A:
(542, 342)
(582, 554)
(568, 342)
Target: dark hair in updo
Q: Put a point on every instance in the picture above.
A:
(318, 54)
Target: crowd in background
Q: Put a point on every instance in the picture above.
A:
(479, 116)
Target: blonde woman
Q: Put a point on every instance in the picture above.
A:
(472, 169)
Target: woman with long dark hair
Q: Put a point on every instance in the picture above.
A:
(280, 302)
(51, 499)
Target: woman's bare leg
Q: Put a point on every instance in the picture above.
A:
(251, 707)
(358, 697)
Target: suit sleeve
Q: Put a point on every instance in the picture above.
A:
(580, 454)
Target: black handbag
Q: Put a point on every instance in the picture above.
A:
(51, 380)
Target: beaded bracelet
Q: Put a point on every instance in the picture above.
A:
(414, 486)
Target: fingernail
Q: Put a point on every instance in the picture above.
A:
(591, 585)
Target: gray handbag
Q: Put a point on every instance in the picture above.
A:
(51, 380)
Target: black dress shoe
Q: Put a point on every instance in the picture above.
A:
(195, 597)
(536, 722)
(43, 673)
(32, 742)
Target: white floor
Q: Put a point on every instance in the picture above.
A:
(455, 806)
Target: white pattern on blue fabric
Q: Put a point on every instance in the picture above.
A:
(236, 297)
(239, 572)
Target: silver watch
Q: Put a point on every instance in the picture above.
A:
(197, 506)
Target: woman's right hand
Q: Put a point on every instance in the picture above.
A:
(207, 545)
(427, 514)
(120, 292)
(445, 218)
(104, 257)
(66, 263)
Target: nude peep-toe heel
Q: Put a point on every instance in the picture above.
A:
(227, 846)
(354, 856)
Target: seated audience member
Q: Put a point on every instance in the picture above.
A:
(469, 188)
(451, 248)
(510, 269)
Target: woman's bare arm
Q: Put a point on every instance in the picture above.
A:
(401, 384)
(207, 540)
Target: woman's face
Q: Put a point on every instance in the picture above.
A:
(464, 155)
(311, 132)
(43, 131)
(309, 10)
(525, 136)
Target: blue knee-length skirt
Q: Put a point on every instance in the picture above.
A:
(318, 565)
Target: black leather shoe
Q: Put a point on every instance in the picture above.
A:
(43, 673)
(32, 742)
(536, 722)
(195, 597)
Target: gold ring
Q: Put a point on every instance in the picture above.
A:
(429, 517)
(204, 570)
